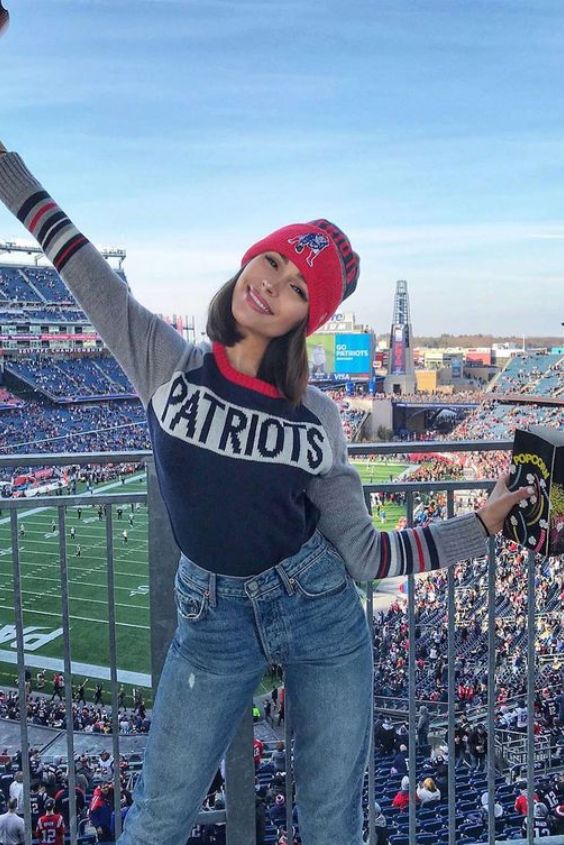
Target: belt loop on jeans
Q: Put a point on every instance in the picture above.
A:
(212, 589)
(288, 582)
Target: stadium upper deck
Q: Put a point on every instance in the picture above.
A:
(532, 374)
(72, 380)
(31, 286)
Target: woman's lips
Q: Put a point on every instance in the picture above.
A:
(257, 303)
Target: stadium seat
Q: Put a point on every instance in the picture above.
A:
(433, 826)
(426, 839)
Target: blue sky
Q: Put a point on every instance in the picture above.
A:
(185, 130)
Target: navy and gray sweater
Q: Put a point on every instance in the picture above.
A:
(246, 477)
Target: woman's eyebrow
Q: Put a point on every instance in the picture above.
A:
(299, 275)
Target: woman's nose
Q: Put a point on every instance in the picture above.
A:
(269, 285)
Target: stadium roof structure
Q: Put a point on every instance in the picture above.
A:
(37, 252)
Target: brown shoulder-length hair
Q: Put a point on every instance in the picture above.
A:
(284, 363)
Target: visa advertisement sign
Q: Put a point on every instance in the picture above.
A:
(340, 354)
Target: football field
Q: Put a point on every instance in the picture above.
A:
(38, 539)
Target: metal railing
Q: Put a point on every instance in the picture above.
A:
(163, 559)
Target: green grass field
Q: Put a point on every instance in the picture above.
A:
(88, 592)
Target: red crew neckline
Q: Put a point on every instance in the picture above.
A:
(243, 380)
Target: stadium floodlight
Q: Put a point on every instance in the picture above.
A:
(37, 252)
(115, 252)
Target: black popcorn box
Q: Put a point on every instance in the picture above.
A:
(537, 523)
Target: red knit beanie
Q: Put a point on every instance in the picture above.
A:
(325, 258)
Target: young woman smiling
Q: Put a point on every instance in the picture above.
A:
(268, 514)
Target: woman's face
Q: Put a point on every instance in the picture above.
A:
(270, 297)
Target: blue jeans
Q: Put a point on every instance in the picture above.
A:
(305, 614)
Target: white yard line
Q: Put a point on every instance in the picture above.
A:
(79, 618)
(34, 577)
(56, 592)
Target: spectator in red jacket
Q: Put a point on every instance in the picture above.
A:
(401, 798)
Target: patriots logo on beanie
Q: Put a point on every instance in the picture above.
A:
(324, 256)
(314, 241)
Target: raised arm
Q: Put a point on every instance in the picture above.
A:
(146, 347)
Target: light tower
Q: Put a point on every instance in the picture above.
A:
(401, 376)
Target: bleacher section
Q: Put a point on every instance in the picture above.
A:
(496, 421)
(97, 426)
(14, 287)
(73, 379)
(532, 374)
(472, 630)
(351, 418)
(113, 371)
(48, 284)
(22, 286)
(52, 316)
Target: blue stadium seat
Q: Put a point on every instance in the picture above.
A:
(433, 826)
(426, 839)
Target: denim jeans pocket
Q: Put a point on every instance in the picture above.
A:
(325, 576)
(192, 600)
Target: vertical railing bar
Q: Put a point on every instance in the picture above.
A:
(18, 618)
(451, 692)
(289, 765)
(65, 607)
(531, 637)
(371, 750)
(491, 690)
(113, 665)
(412, 686)
(239, 785)
(163, 561)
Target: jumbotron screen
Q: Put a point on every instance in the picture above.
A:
(399, 343)
(341, 354)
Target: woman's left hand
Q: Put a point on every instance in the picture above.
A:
(500, 502)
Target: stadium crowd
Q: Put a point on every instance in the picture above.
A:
(104, 426)
(532, 373)
(71, 378)
(391, 632)
(498, 421)
(89, 718)
(460, 397)
(351, 418)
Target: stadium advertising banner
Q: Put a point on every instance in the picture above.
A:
(341, 354)
(57, 336)
(398, 350)
(456, 365)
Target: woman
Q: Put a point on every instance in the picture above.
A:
(268, 514)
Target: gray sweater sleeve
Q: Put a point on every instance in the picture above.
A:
(146, 347)
(345, 521)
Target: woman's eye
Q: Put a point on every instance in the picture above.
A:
(271, 260)
(300, 291)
